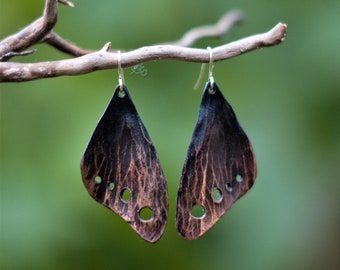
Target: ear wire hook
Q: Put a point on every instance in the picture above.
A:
(211, 66)
(120, 72)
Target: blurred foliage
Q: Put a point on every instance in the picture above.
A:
(287, 98)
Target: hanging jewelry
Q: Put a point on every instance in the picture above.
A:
(121, 170)
(219, 168)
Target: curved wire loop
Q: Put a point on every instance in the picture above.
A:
(211, 66)
(120, 72)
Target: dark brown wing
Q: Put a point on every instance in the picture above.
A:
(219, 168)
(121, 170)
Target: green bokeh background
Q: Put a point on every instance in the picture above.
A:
(287, 99)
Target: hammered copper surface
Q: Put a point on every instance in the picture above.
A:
(121, 170)
(219, 168)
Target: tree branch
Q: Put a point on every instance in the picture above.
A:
(32, 33)
(9, 55)
(221, 27)
(90, 61)
(18, 72)
(62, 45)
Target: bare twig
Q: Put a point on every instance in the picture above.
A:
(34, 32)
(67, 3)
(17, 72)
(89, 61)
(61, 44)
(221, 27)
(12, 54)
(218, 29)
(56, 41)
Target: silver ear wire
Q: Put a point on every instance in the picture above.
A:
(120, 73)
(211, 66)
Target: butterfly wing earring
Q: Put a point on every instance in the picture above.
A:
(121, 170)
(219, 168)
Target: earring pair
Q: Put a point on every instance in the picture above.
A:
(121, 170)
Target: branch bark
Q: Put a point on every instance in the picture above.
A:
(225, 23)
(89, 61)
(33, 33)
(221, 27)
(62, 45)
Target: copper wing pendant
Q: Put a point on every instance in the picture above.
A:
(220, 167)
(121, 170)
